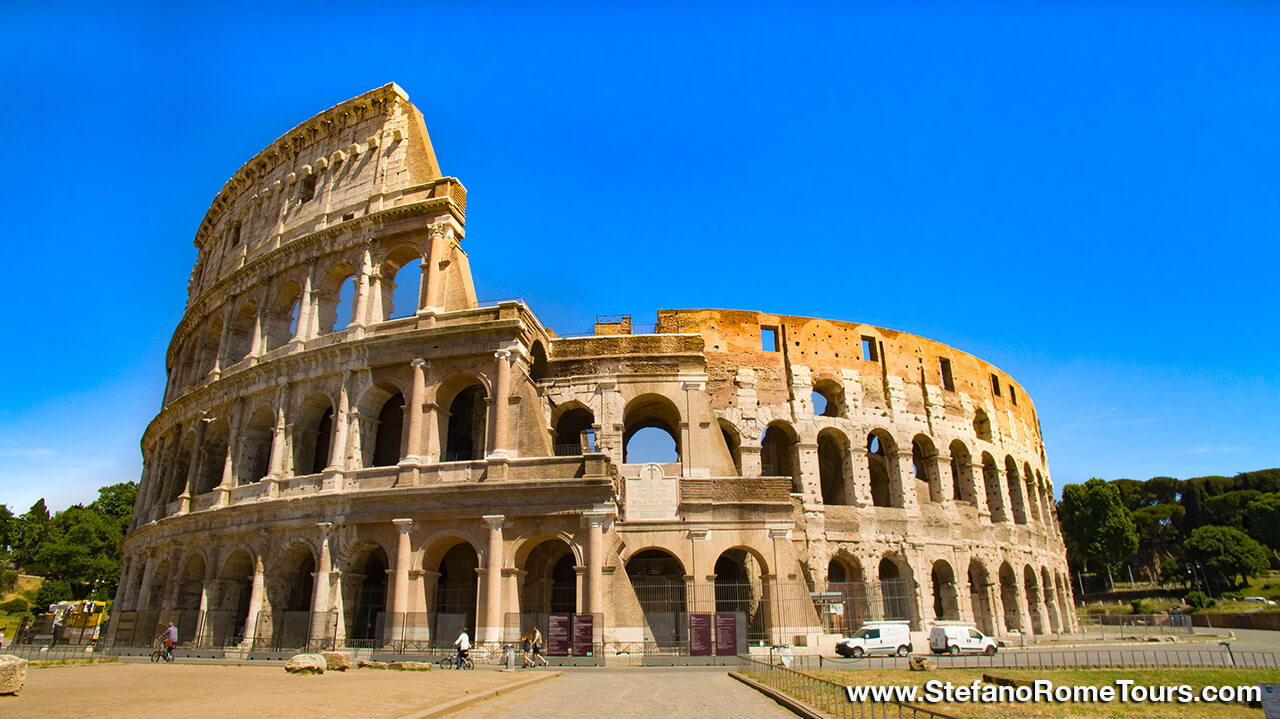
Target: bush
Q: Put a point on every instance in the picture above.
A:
(8, 580)
(50, 592)
(17, 605)
(1199, 600)
(1136, 607)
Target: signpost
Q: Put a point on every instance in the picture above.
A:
(699, 635)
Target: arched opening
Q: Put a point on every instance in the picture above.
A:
(833, 468)
(370, 584)
(335, 299)
(896, 591)
(574, 432)
(537, 362)
(177, 481)
(924, 463)
(646, 420)
(1051, 601)
(980, 597)
(1014, 486)
(828, 398)
(991, 480)
(1009, 598)
(1047, 503)
(779, 456)
(155, 597)
(213, 455)
(255, 446)
(658, 580)
(963, 485)
(733, 443)
(237, 582)
(390, 432)
(1061, 585)
(465, 438)
(402, 295)
(737, 592)
(289, 589)
(844, 575)
(240, 337)
(282, 316)
(882, 465)
(982, 426)
(1032, 492)
(190, 589)
(1031, 586)
(946, 605)
(550, 584)
(454, 606)
(313, 436)
(208, 351)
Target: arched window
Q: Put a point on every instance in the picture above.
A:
(537, 362)
(282, 317)
(924, 462)
(883, 467)
(833, 468)
(335, 299)
(828, 398)
(240, 338)
(255, 446)
(390, 431)
(778, 454)
(651, 426)
(732, 442)
(465, 440)
(1014, 485)
(401, 283)
(991, 480)
(574, 432)
(982, 426)
(963, 484)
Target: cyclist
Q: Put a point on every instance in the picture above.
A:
(170, 639)
(463, 643)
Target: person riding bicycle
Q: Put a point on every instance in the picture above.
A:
(170, 638)
(463, 643)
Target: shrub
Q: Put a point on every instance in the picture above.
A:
(17, 605)
(50, 592)
(1198, 600)
(1136, 607)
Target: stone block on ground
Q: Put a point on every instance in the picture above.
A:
(336, 661)
(410, 666)
(306, 664)
(13, 673)
(918, 663)
(370, 664)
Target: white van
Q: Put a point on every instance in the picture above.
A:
(956, 638)
(877, 638)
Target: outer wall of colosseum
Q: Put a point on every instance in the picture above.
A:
(329, 468)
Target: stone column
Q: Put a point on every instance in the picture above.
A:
(432, 280)
(148, 578)
(341, 414)
(255, 600)
(501, 404)
(1003, 513)
(193, 465)
(906, 478)
(417, 393)
(404, 556)
(946, 482)
(320, 587)
(980, 502)
(220, 357)
(364, 287)
(204, 630)
(860, 471)
(306, 313)
(595, 561)
(807, 468)
(233, 459)
(279, 441)
(255, 340)
(492, 629)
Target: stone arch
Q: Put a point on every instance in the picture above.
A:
(844, 575)
(465, 423)
(209, 347)
(290, 584)
(964, 484)
(779, 453)
(1031, 589)
(365, 584)
(335, 298)
(256, 439)
(236, 578)
(650, 411)
(1062, 586)
(991, 480)
(946, 599)
(980, 597)
(897, 589)
(832, 394)
(550, 582)
(883, 468)
(924, 462)
(401, 268)
(657, 577)
(574, 429)
(190, 587)
(982, 426)
(738, 586)
(244, 323)
(537, 361)
(181, 467)
(733, 442)
(389, 436)
(1009, 598)
(450, 565)
(1054, 610)
(281, 315)
(1032, 492)
(155, 596)
(313, 431)
(1014, 485)
(213, 453)
(834, 471)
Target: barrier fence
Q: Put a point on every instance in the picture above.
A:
(826, 696)
(1102, 658)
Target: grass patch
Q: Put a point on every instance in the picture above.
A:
(46, 663)
(1196, 678)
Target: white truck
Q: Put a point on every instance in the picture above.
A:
(877, 638)
(957, 638)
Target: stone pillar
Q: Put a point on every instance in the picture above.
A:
(306, 313)
(220, 358)
(979, 497)
(320, 592)
(233, 455)
(417, 393)
(492, 629)
(277, 469)
(502, 404)
(750, 460)
(341, 417)
(595, 561)
(860, 471)
(1003, 513)
(432, 280)
(364, 287)
(255, 600)
(404, 556)
(193, 465)
(255, 339)
(148, 578)
(807, 468)
(906, 478)
(946, 482)
(204, 627)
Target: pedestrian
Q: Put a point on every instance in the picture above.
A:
(526, 645)
(170, 639)
(1, 639)
(536, 640)
(463, 643)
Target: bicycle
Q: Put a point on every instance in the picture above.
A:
(162, 652)
(450, 661)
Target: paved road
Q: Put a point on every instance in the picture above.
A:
(642, 692)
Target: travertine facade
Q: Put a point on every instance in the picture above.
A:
(406, 471)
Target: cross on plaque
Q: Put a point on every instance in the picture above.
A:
(651, 471)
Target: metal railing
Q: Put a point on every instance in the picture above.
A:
(1101, 658)
(825, 696)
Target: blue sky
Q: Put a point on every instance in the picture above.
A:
(1085, 195)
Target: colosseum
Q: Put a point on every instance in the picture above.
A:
(331, 468)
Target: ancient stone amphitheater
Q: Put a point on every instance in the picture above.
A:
(334, 467)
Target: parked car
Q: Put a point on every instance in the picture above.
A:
(1260, 600)
(877, 638)
(957, 638)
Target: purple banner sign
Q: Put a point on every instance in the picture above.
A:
(584, 626)
(558, 635)
(699, 635)
(726, 634)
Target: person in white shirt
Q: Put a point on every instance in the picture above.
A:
(463, 643)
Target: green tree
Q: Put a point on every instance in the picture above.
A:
(8, 527)
(1095, 523)
(116, 501)
(1158, 535)
(51, 591)
(32, 529)
(1264, 519)
(82, 546)
(1224, 553)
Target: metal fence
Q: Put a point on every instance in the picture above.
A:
(1127, 625)
(824, 696)
(1101, 658)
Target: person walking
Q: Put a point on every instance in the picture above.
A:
(463, 643)
(536, 640)
(526, 645)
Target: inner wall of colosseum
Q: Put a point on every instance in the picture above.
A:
(354, 451)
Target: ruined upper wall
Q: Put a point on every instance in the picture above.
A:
(369, 153)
